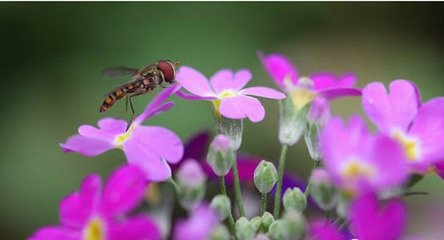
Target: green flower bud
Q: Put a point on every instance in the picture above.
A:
(267, 219)
(220, 233)
(244, 230)
(265, 176)
(220, 155)
(232, 128)
(290, 227)
(256, 223)
(222, 205)
(322, 190)
(294, 199)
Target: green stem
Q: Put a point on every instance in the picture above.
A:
(277, 197)
(263, 203)
(239, 201)
(175, 185)
(223, 189)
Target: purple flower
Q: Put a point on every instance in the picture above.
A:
(439, 168)
(225, 91)
(304, 89)
(358, 160)
(370, 221)
(92, 214)
(199, 225)
(149, 147)
(399, 113)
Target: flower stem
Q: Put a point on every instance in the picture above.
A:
(263, 203)
(223, 190)
(175, 185)
(239, 201)
(277, 197)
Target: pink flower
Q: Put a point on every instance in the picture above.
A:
(400, 114)
(324, 230)
(225, 91)
(149, 147)
(92, 214)
(304, 89)
(199, 225)
(359, 161)
(370, 221)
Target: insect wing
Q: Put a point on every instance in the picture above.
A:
(114, 72)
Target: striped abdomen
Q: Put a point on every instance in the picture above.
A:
(115, 95)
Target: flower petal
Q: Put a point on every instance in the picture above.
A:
(428, 127)
(95, 133)
(194, 81)
(188, 96)
(161, 141)
(331, 94)
(155, 168)
(157, 104)
(112, 125)
(55, 233)
(263, 92)
(241, 78)
(325, 230)
(124, 191)
(369, 221)
(221, 80)
(394, 110)
(76, 208)
(325, 80)
(86, 146)
(135, 228)
(241, 107)
(279, 68)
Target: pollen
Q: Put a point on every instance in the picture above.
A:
(226, 93)
(355, 169)
(409, 145)
(120, 139)
(94, 230)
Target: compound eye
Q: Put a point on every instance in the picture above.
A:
(167, 69)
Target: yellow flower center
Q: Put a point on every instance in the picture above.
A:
(355, 169)
(95, 230)
(216, 103)
(409, 145)
(120, 139)
(302, 94)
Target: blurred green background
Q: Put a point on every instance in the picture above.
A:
(52, 54)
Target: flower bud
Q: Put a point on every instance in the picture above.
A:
(317, 116)
(244, 230)
(267, 219)
(220, 156)
(265, 176)
(294, 199)
(290, 227)
(220, 233)
(192, 182)
(256, 223)
(232, 128)
(322, 191)
(222, 205)
(261, 237)
(292, 122)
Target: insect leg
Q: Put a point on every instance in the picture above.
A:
(132, 107)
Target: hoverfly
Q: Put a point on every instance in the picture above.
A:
(142, 81)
